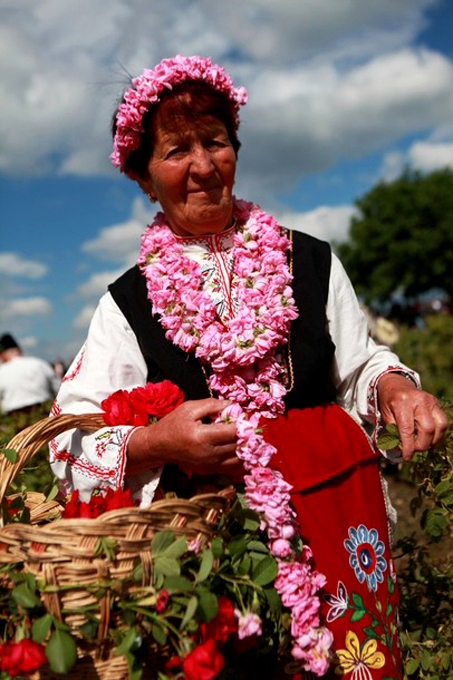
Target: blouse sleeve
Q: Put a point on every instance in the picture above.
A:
(359, 360)
(109, 360)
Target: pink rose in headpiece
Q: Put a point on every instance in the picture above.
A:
(149, 86)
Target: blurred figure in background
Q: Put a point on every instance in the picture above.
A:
(59, 368)
(26, 382)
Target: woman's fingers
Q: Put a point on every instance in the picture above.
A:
(420, 420)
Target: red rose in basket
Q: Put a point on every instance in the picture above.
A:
(204, 662)
(105, 500)
(141, 405)
(21, 658)
(223, 625)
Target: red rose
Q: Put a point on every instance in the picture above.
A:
(21, 658)
(204, 663)
(117, 498)
(95, 506)
(119, 409)
(162, 600)
(72, 506)
(173, 663)
(223, 625)
(162, 398)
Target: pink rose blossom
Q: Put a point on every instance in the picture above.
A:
(248, 624)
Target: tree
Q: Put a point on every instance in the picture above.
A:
(402, 238)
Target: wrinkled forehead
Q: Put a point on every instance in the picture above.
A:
(182, 124)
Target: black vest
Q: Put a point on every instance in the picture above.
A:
(310, 347)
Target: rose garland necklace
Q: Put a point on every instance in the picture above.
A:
(242, 357)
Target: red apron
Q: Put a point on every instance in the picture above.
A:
(338, 496)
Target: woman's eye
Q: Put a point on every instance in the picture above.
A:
(216, 142)
(172, 152)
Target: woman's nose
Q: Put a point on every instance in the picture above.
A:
(201, 161)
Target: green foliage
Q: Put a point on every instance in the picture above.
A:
(429, 351)
(36, 476)
(403, 237)
(425, 567)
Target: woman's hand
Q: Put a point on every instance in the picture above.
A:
(186, 437)
(420, 421)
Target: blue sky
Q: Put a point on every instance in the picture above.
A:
(342, 94)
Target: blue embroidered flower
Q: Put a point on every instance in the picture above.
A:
(366, 555)
(338, 603)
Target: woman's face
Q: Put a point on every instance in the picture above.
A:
(191, 174)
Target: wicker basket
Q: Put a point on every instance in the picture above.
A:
(65, 555)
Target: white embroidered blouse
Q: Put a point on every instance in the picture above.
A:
(111, 360)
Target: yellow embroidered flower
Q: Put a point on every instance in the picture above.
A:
(357, 659)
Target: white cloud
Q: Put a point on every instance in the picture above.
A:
(28, 343)
(430, 156)
(312, 117)
(326, 79)
(97, 284)
(82, 320)
(25, 307)
(326, 223)
(13, 264)
(121, 242)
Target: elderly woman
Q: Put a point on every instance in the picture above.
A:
(261, 330)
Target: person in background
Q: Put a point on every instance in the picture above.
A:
(260, 328)
(26, 382)
(59, 368)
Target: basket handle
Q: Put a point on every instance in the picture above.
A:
(28, 442)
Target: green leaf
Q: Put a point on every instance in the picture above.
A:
(217, 547)
(237, 545)
(167, 566)
(207, 561)
(192, 606)
(265, 571)
(10, 455)
(53, 493)
(370, 632)
(134, 668)
(356, 598)
(207, 605)
(106, 546)
(249, 520)
(89, 629)
(61, 652)
(177, 548)
(426, 660)
(436, 522)
(358, 614)
(244, 565)
(178, 584)
(41, 627)
(159, 634)
(274, 600)
(446, 661)
(411, 666)
(25, 597)
(128, 642)
(387, 441)
(161, 541)
(258, 547)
